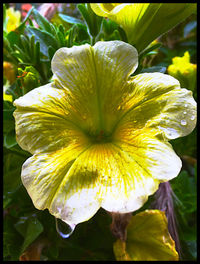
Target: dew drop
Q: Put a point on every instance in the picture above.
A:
(184, 112)
(183, 123)
(186, 105)
(64, 230)
(192, 117)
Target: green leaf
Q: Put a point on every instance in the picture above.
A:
(51, 52)
(4, 16)
(92, 20)
(70, 20)
(8, 119)
(23, 54)
(44, 38)
(9, 140)
(30, 228)
(11, 240)
(109, 26)
(41, 21)
(149, 49)
(61, 38)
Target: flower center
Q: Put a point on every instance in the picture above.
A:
(100, 137)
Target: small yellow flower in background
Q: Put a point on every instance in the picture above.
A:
(144, 22)
(184, 71)
(9, 72)
(147, 239)
(98, 136)
(7, 97)
(13, 19)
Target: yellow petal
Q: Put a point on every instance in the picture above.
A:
(103, 9)
(45, 120)
(136, 165)
(55, 181)
(95, 78)
(73, 183)
(125, 182)
(156, 101)
(148, 239)
(149, 153)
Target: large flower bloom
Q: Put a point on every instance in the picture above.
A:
(98, 136)
(145, 22)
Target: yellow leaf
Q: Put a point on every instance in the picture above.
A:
(148, 239)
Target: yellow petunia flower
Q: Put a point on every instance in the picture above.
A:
(12, 19)
(143, 23)
(98, 136)
(184, 71)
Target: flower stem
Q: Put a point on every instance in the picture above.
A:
(93, 40)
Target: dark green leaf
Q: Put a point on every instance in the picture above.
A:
(61, 38)
(37, 52)
(51, 52)
(30, 228)
(192, 246)
(25, 43)
(122, 34)
(12, 240)
(8, 119)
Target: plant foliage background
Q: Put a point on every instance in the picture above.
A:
(31, 234)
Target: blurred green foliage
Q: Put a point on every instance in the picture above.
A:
(31, 49)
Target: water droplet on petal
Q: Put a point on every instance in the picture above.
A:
(183, 123)
(186, 105)
(64, 230)
(192, 117)
(184, 112)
